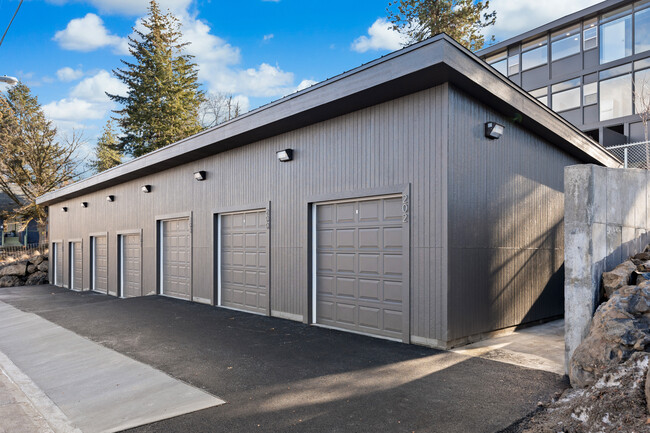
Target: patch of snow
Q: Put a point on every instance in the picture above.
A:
(606, 419)
(583, 417)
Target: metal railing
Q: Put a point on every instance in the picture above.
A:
(10, 253)
(633, 155)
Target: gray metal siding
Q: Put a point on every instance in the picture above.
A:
(394, 143)
(506, 212)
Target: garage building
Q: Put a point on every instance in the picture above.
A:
(394, 213)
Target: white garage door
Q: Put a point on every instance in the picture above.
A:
(244, 261)
(361, 266)
(131, 268)
(76, 267)
(176, 253)
(58, 263)
(100, 264)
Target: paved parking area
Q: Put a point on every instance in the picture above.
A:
(278, 375)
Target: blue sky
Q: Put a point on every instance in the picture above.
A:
(257, 50)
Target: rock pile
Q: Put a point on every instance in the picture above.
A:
(25, 272)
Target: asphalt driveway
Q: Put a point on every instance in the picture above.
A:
(278, 375)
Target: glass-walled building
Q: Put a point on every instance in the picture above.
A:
(591, 67)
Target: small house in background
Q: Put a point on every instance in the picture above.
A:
(12, 231)
(418, 198)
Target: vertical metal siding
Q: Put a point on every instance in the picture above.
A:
(506, 211)
(394, 143)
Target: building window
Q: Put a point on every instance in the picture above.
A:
(616, 35)
(614, 72)
(541, 95)
(565, 95)
(641, 91)
(615, 97)
(513, 64)
(590, 34)
(590, 94)
(534, 53)
(565, 43)
(642, 31)
(499, 62)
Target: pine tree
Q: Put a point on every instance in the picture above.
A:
(107, 154)
(463, 20)
(163, 99)
(33, 161)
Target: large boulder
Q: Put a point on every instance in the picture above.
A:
(620, 276)
(37, 260)
(43, 266)
(18, 269)
(620, 327)
(10, 281)
(36, 278)
(31, 269)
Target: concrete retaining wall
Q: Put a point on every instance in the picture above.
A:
(606, 220)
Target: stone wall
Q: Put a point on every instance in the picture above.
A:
(606, 220)
(28, 272)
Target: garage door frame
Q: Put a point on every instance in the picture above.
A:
(93, 263)
(216, 259)
(71, 266)
(159, 256)
(362, 195)
(56, 256)
(120, 258)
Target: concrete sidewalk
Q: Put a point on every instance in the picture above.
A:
(79, 385)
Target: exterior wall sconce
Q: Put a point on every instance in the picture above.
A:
(494, 130)
(84, 204)
(110, 198)
(64, 209)
(146, 189)
(284, 155)
(199, 175)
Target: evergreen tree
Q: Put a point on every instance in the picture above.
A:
(107, 154)
(33, 161)
(163, 99)
(463, 20)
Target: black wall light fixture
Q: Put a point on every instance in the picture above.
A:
(199, 175)
(494, 130)
(284, 155)
(64, 209)
(84, 204)
(146, 189)
(110, 198)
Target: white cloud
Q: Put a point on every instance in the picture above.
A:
(130, 7)
(94, 88)
(72, 110)
(381, 36)
(269, 37)
(69, 74)
(305, 83)
(515, 17)
(88, 34)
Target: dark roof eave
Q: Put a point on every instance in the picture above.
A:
(438, 60)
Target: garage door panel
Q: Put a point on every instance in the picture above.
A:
(393, 264)
(176, 258)
(244, 260)
(392, 238)
(392, 291)
(345, 238)
(77, 269)
(369, 211)
(346, 262)
(346, 287)
(101, 265)
(369, 289)
(59, 263)
(393, 210)
(360, 275)
(369, 238)
(369, 317)
(346, 313)
(345, 212)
